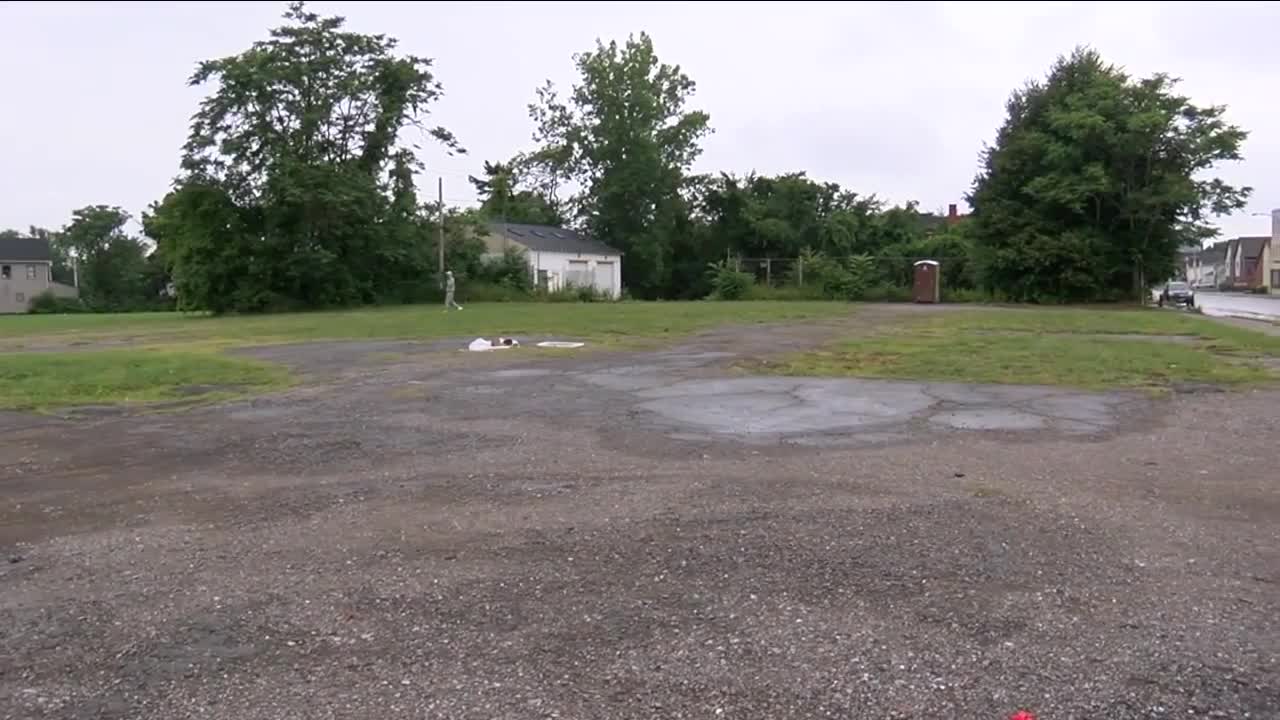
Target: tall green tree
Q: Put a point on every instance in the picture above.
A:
(1094, 182)
(111, 263)
(503, 197)
(297, 184)
(625, 137)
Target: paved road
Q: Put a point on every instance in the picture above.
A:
(1260, 307)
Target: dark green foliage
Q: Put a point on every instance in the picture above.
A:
(844, 278)
(112, 264)
(46, 303)
(511, 270)
(297, 190)
(1095, 180)
(502, 200)
(727, 282)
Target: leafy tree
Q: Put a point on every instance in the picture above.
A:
(1095, 180)
(625, 137)
(502, 200)
(111, 262)
(297, 188)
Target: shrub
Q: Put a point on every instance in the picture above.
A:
(967, 295)
(838, 279)
(482, 291)
(46, 303)
(727, 282)
(784, 293)
(511, 270)
(885, 292)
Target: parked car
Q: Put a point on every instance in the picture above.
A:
(1177, 294)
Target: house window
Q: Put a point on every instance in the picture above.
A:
(31, 272)
(20, 297)
(1275, 279)
(6, 272)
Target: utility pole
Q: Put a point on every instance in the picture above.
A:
(440, 197)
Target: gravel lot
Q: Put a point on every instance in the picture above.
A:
(420, 533)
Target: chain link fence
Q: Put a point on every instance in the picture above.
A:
(891, 271)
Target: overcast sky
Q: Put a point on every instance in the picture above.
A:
(885, 98)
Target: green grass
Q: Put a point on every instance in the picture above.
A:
(601, 322)
(48, 380)
(1071, 347)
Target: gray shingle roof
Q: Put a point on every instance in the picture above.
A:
(1251, 247)
(26, 249)
(546, 238)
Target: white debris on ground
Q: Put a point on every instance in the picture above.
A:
(483, 345)
(560, 344)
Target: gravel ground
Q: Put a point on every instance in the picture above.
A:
(429, 538)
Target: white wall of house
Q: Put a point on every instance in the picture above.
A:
(603, 272)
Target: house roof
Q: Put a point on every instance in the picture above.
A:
(1252, 246)
(1216, 252)
(24, 249)
(547, 238)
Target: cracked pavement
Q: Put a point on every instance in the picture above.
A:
(641, 535)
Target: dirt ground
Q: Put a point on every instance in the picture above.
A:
(422, 533)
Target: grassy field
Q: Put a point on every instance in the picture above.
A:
(599, 322)
(1085, 348)
(49, 361)
(49, 380)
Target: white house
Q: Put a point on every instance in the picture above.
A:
(560, 258)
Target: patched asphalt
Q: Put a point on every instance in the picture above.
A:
(642, 535)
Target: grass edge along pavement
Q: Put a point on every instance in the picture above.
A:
(44, 381)
(1086, 348)
(171, 356)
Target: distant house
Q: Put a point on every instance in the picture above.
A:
(26, 270)
(559, 258)
(1250, 254)
(1211, 266)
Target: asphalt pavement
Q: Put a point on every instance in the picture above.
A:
(1255, 307)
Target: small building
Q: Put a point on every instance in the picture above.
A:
(1271, 256)
(26, 270)
(1211, 267)
(559, 258)
(1249, 259)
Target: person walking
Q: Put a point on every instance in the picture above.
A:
(449, 287)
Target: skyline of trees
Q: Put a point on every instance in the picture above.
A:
(297, 183)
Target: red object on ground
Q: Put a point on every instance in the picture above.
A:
(1022, 715)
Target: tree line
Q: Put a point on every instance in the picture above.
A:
(296, 188)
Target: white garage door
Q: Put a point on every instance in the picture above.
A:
(604, 277)
(578, 274)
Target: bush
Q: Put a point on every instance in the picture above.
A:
(838, 279)
(784, 293)
(511, 270)
(727, 282)
(967, 295)
(46, 303)
(482, 291)
(884, 292)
